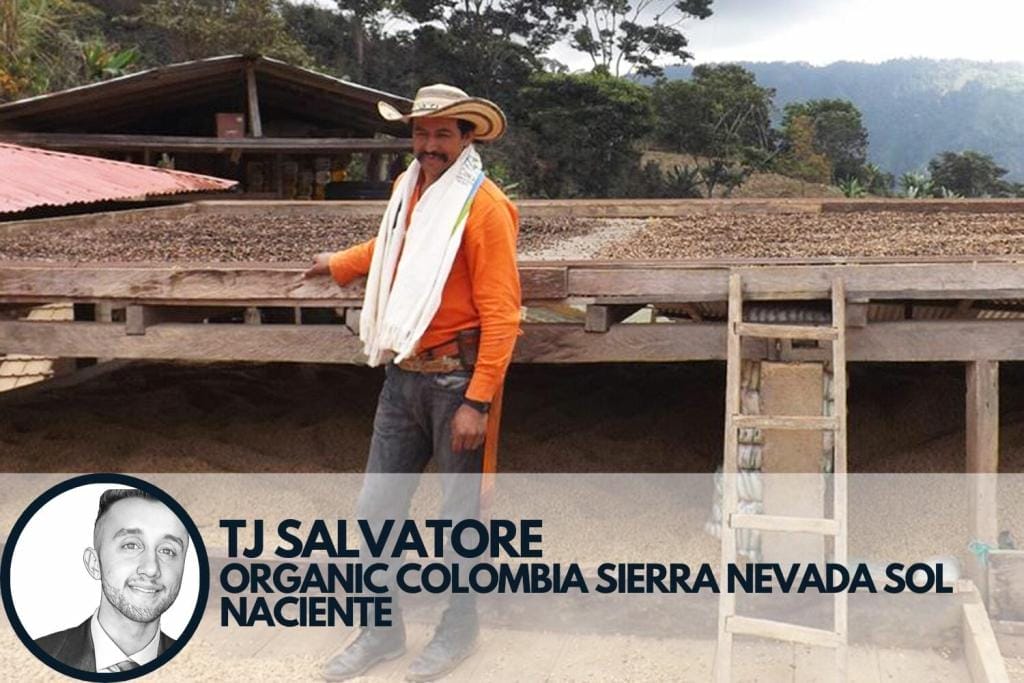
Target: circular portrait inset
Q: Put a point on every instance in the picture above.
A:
(104, 577)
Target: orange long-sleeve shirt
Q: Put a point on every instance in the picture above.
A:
(482, 289)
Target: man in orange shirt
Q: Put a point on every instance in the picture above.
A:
(441, 398)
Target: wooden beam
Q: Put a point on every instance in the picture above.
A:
(246, 284)
(856, 314)
(653, 283)
(178, 143)
(183, 341)
(981, 649)
(253, 102)
(138, 318)
(982, 427)
(238, 285)
(600, 318)
(352, 316)
(933, 341)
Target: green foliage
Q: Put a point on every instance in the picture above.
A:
(839, 134)
(679, 182)
(41, 43)
(917, 185)
(720, 112)
(876, 181)
(801, 159)
(209, 28)
(576, 135)
(487, 47)
(626, 37)
(969, 174)
(852, 188)
(103, 61)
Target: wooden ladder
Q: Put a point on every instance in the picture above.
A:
(729, 623)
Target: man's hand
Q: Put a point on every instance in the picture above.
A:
(469, 426)
(321, 265)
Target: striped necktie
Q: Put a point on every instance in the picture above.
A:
(126, 665)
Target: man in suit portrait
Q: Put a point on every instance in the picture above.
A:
(138, 556)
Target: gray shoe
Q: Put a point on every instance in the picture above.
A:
(454, 640)
(371, 647)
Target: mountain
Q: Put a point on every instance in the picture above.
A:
(914, 108)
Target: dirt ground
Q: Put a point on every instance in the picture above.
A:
(187, 417)
(242, 418)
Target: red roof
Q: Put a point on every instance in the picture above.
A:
(31, 177)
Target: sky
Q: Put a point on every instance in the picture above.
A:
(824, 31)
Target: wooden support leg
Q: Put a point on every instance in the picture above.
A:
(84, 312)
(601, 317)
(352, 319)
(982, 460)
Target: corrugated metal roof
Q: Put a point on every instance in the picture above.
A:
(32, 177)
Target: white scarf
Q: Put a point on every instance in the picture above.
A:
(403, 294)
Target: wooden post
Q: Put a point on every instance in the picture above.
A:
(255, 124)
(982, 461)
(373, 167)
(278, 176)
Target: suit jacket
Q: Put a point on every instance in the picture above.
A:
(74, 647)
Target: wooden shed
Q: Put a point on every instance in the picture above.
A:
(281, 130)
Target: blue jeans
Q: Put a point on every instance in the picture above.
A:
(413, 424)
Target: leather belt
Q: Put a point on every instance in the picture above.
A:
(438, 365)
(446, 357)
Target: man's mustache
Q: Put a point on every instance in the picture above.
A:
(425, 155)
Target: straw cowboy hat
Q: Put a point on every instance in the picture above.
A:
(449, 101)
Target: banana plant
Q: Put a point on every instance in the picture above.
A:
(852, 188)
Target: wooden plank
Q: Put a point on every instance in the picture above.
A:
(600, 318)
(352, 317)
(253, 102)
(937, 341)
(778, 630)
(641, 282)
(184, 144)
(215, 342)
(982, 466)
(767, 331)
(857, 314)
(793, 422)
(242, 285)
(730, 464)
(981, 650)
(811, 525)
(840, 549)
(570, 343)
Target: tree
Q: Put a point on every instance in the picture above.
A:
(969, 174)
(721, 112)
(801, 159)
(610, 32)
(839, 134)
(488, 47)
(209, 28)
(576, 135)
(41, 45)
